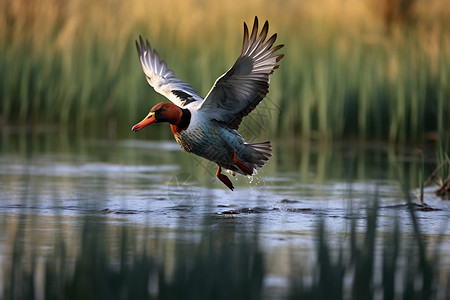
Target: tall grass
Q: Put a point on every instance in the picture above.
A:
(346, 72)
(441, 174)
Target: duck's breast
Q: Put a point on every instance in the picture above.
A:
(209, 139)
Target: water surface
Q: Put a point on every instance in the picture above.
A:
(57, 190)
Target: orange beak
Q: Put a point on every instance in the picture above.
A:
(149, 119)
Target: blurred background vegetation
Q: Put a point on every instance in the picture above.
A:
(360, 69)
(353, 69)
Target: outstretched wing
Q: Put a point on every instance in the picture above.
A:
(163, 79)
(236, 93)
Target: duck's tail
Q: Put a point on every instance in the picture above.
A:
(257, 155)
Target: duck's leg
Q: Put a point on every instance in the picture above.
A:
(224, 179)
(241, 165)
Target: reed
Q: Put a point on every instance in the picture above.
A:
(441, 174)
(346, 72)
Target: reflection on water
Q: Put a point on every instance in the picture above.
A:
(142, 219)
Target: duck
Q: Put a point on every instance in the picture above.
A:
(208, 127)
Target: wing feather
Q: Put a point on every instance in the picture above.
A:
(237, 92)
(162, 79)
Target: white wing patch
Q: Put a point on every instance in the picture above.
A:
(162, 79)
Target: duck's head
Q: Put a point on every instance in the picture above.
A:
(162, 112)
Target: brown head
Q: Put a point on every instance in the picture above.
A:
(166, 112)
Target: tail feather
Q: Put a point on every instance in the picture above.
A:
(259, 155)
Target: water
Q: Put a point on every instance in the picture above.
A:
(148, 203)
